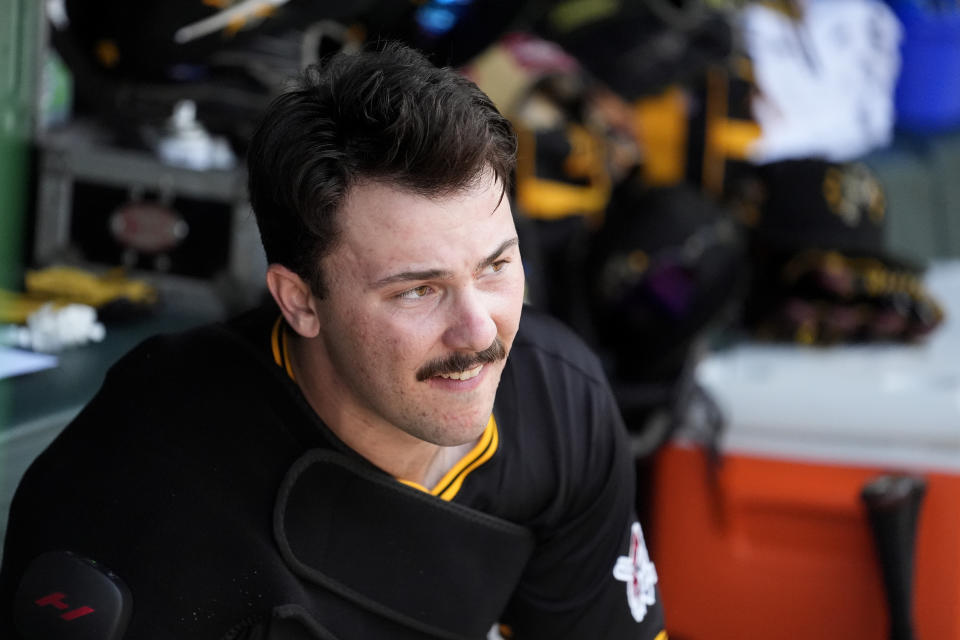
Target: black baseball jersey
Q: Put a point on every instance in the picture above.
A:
(201, 477)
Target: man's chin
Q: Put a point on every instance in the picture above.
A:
(455, 435)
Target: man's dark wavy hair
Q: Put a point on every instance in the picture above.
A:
(383, 115)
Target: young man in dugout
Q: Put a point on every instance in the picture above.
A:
(394, 448)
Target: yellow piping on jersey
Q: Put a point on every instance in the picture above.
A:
(449, 485)
(278, 344)
(275, 341)
(286, 356)
(484, 451)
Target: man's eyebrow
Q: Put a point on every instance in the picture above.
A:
(407, 276)
(486, 262)
(441, 274)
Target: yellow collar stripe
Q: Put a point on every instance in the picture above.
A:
(275, 341)
(450, 484)
(278, 343)
(286, 356)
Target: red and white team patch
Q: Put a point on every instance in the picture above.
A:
(639, 573)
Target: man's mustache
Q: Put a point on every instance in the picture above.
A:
(458, 362)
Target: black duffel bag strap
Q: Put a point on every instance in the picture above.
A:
(434, 566)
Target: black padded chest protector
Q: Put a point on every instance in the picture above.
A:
(436, 567)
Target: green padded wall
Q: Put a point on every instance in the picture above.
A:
(19, 33)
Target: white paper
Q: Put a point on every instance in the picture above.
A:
(826, 83)
(14, 362)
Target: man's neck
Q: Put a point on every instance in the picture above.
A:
(396, 452)
(443, 461)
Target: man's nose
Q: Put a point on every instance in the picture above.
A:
(471, 325)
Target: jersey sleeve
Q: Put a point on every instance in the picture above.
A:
(591, 575)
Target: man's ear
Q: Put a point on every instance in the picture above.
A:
(295, 300)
